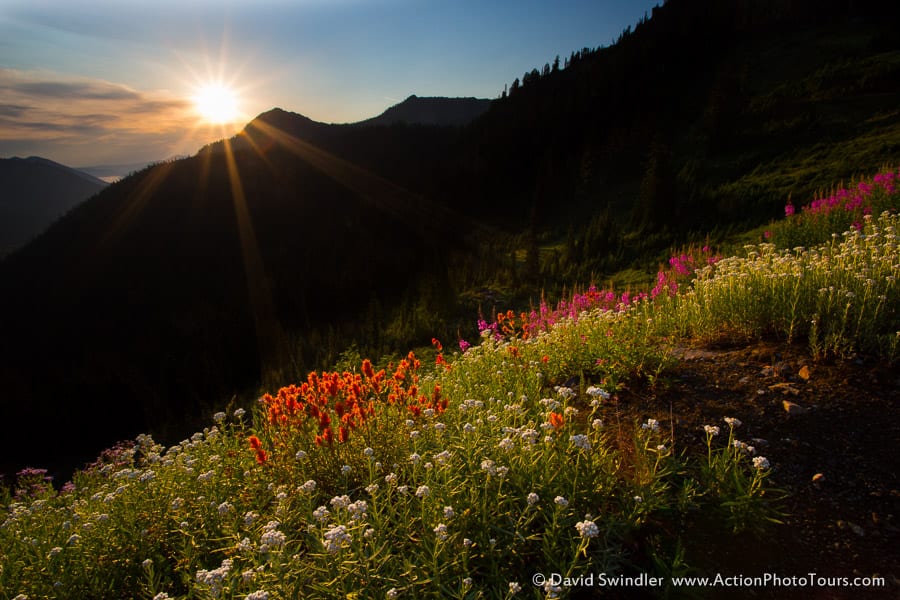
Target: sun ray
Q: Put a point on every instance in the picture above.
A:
(270, 337)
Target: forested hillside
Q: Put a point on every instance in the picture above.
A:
(267, 255)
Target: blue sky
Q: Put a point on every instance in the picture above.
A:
(110, 81)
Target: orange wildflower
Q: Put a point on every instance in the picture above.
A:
(256, 446)
(556, 420)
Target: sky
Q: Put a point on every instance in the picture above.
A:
(93, 82)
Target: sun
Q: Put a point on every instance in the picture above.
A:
(216, 103)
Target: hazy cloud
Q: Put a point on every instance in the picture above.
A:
(90, 90)
(68, 114)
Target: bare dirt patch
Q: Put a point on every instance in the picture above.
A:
(830, 429)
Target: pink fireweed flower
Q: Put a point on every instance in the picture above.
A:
(788, 210)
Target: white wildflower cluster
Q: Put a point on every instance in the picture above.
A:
(358, 510)
(415, 458)
(711, 430)
(587, 529)
(126, 474)
(468, 428)
(514, 587)
(760, 462)
(250, 518)
(596, 424)
(489, 466)
(442, 458)
(651, 425)
(580, 441)
(300, 455)
(257, 595)
(336, 538)
(308, 488)
(570, 412)
(391, 478)
(532, 499)
(215, 579)
(552, 590)
(339, 502)
(529, 435)
(515, 409)
(732, 422)
(597, 395)
(506, 444)
(372, 489)
(225, 508)
(441, 531)
(271, 538)
(219, 417)
(550, 403)
(566, 393)
(449, 513)
(475, 405)
(561, 501)
(423, 491)
(744, 447)
(321, 514)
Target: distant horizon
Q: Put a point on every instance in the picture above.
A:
(122, 169)
(93, 82)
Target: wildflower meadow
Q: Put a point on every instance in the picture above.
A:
(462, 477)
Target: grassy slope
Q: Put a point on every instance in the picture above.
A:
(442, 504)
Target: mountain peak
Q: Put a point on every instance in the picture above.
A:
(431, 111)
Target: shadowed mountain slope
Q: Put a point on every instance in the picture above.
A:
(34, 192)
(268, 254)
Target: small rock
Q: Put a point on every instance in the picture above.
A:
(804, 373)
(818, 477)
(852, 527)
(793, 409)
(785, 388)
